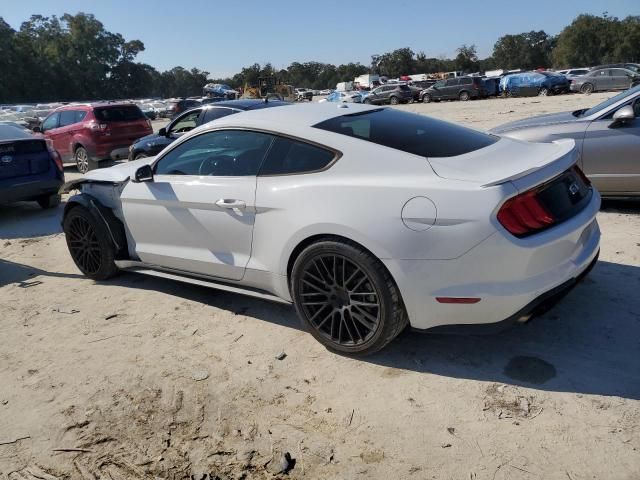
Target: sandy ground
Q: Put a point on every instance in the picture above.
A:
(140, 378)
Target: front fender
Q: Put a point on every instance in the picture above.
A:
(103, 215)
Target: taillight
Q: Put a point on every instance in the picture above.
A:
(98, 126)
(523, 215)
(149, 123)
(55, 155)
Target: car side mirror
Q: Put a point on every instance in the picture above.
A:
(162, 132)
(623, 116)
(144, 174)
(37, 130)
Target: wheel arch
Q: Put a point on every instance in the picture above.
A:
(104, 215)
(320, 237)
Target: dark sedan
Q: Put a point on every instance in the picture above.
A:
(30, 170)
(153, 144)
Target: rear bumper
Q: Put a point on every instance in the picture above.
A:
(26, 188)
(507, 274)
(536, 307)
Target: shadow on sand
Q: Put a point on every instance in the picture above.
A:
(589, 343)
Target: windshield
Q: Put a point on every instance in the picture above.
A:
(608, 103)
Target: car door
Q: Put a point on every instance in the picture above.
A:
(437, 90)
(67, 126)
(610, 154)
(53, 133)
(620, 79)
(198, 212)
(450, 90)
(602, 80)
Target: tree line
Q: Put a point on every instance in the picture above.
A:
(73, 57)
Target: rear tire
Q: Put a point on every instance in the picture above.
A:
(367, 101)
(587, 89)
(464, 96)
(88, 241)
(49, 201)
(544, 92)
(346, 298)
(394, 101)
(426, 98)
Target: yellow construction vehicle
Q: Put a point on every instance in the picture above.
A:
(270, 87)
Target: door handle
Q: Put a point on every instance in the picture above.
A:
(230, 203)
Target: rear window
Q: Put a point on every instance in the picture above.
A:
(10, 132)
(23, 147)
(409, 132)
(124, 113)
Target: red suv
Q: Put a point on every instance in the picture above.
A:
(87, 134)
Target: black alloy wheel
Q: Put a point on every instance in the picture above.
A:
(89, 244)
(346, 298)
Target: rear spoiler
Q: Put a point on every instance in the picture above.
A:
(548, 171)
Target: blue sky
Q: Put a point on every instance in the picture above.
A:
(223, 36)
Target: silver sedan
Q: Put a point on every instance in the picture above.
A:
(607, 135)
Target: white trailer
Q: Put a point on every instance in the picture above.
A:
(366, 81)
(344, 86)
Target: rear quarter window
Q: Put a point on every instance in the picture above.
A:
(125, 113)
(466, 81)
(409, 132)
(288, 156)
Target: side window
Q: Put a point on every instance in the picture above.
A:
(185, 123)
(452, 82)
(51, 122)
(215, 113)
(290, 156)
(67, 117)
(80, 114)
(466, 81)
(221, 153)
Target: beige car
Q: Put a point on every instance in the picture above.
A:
(607, 135)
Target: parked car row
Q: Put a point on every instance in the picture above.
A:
(292, 218)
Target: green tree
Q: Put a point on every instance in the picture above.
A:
(591, 40)
(527, 50)
(467, 58)
(397, 63)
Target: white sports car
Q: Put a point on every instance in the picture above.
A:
(366, 219)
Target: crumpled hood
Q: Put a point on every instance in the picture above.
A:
(548, 119)
(116, 174)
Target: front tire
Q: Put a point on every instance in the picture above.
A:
(346, 298)
(464, 96)
(140, 155)
(89, 245)
(367, 101)
(426, 98)
(544, 92)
